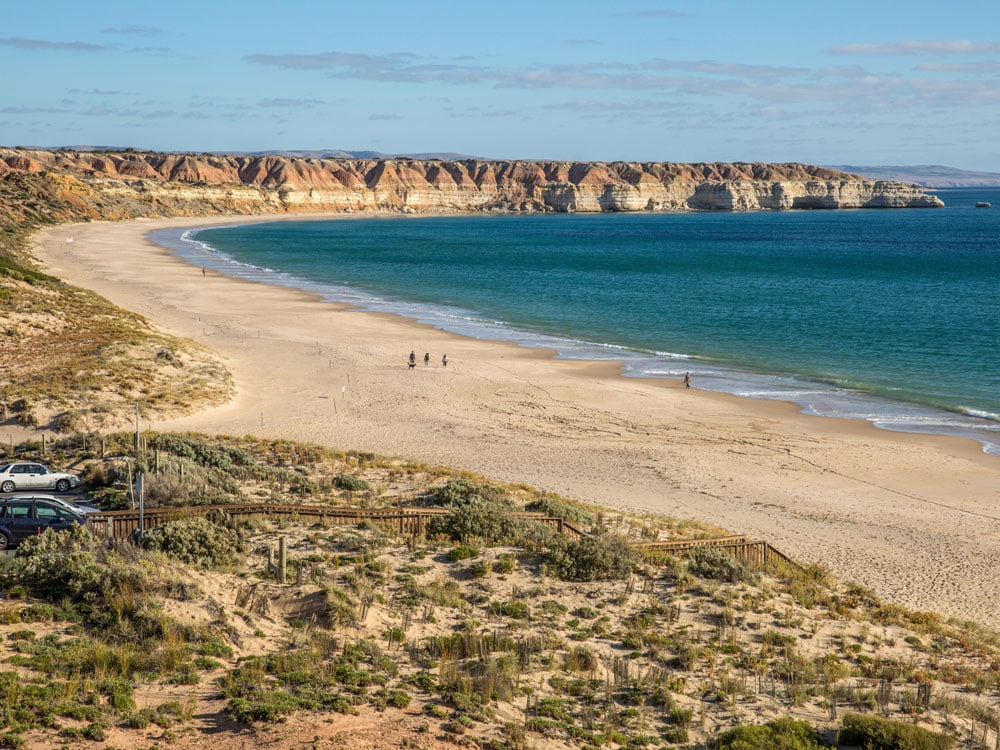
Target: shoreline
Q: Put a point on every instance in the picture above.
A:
(811, 397)
(912, 516)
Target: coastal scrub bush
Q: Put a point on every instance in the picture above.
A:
(202, 451)
(58, 565)
(462, 552)
(884, 734)
(479, 519)
(559, 508)
(592, 558)
(458, 492)
(195, 541)
(780, 734)
(718, 565)
(344, 481)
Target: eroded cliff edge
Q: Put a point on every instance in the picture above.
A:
(110, 185)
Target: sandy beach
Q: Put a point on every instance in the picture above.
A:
(916, 518)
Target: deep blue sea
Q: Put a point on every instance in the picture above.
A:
(887, 315)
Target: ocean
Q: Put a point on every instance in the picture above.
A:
(892, 316)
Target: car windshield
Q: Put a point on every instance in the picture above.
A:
(3, 469)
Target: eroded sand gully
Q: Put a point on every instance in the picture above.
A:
(916, 518)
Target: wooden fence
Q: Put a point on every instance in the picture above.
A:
(122, 524)
(757, 553)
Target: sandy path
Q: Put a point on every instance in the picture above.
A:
(917, 518)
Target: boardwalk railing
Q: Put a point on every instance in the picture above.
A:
(122, 524)
(752, 552)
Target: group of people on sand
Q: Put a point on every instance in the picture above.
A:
(427, 359)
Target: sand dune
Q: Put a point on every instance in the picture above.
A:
(916, 518)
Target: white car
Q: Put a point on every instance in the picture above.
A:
(79, 508)
(23, 475)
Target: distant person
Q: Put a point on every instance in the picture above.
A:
(427, 358)
(203, 272)
(444, 360)
(687, 380)
(413, 360)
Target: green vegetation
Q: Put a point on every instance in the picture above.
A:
(195, 541)
(780, 734)
(502, 631)
(882, 734)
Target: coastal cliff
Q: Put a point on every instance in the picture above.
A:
(111, 185)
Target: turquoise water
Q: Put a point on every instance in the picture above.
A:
(890, 316)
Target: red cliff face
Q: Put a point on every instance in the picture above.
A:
(190, 184)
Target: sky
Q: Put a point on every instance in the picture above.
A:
(879, 82)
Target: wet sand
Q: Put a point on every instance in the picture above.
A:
(915, 517)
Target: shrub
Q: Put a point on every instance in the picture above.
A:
(479, 519)
(592, 558)
(718, 565)
(479, 569)
(458, 492)
(57, 565)
(504, 564)
(780, 734)
(558, 508)
(883, 734)
(350, 482)
(196, 541)
(462, 552)
(109, 498)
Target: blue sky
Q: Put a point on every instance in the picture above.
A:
(850, 82)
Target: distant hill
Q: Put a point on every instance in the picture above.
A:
(926, 175)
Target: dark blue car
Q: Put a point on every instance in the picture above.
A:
(24, 517)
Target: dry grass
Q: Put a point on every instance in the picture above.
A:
(486, 647)
(71, 360)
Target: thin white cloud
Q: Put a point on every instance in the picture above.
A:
(288, 102)
(849, 87)
(47, 44)
(152, 50)
(132, 31)
(987, 67)
(842, 71)
(100, 92)
(13, 110)
(652, 13)
(385, 117)
(910, 47)
(737, 70)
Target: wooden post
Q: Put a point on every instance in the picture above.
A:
(282, 559)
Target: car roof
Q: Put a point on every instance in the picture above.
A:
(63, 502)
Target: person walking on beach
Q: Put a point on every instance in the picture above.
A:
(444, 360)
(687, 380)
(427, 358)
(413, 360)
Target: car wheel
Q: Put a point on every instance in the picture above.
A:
(4, 540)
(62, 485)
(7, 486)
